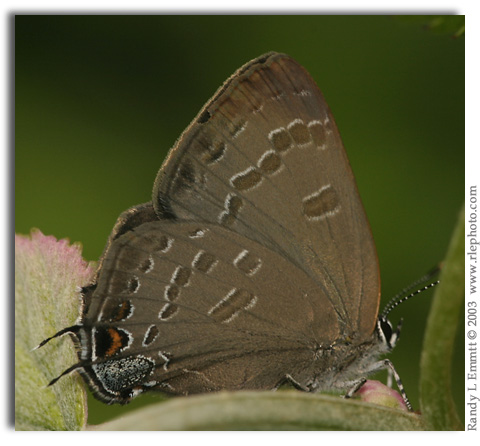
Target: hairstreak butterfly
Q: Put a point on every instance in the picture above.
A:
(254, 263)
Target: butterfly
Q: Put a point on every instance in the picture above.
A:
(253, 265)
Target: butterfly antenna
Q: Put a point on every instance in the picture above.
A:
(407, 292)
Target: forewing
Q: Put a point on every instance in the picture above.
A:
(264, 159)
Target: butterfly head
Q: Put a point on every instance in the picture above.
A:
(388, 337)
(384, 329)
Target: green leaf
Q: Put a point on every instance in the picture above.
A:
(436, 400)
(47, 275)
(282, 410)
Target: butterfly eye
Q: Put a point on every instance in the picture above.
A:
(386, 331)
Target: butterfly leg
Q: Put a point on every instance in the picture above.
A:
(390, 378)
(290, 380)
(391, 370)
(354, 386)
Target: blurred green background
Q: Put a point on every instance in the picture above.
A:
(99, 100)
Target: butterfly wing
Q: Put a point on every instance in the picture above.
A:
(254, 257)
(264, 159)
(211, 309)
